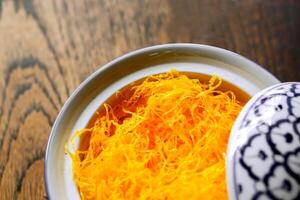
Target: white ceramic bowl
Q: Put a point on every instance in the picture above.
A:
(91, 93)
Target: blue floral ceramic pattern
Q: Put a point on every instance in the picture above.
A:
(267, 161)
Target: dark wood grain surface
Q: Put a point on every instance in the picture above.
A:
(48, 47)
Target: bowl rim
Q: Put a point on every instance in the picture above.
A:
(217, 50)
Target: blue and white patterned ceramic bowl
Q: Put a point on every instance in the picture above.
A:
(264, 147)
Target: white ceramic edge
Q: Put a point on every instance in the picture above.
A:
(221, 52)
(233, 144)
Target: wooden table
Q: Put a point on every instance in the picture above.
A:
(48, 47)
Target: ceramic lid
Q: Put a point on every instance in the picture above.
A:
(263, 158)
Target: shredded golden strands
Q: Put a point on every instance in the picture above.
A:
(166, 141)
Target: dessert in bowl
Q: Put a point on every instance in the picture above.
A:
(242, 76)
